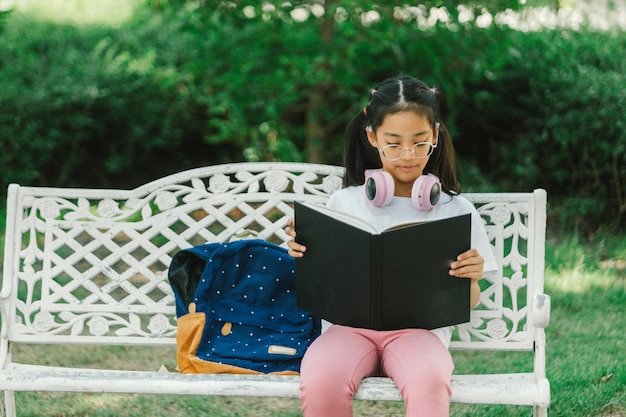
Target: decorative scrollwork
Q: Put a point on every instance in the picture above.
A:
(98, 326)
(49, 209)
(332, 183)
(159, 324)
(499, 315)
(114, 251)
(43, 322)
(219, 183)
(108, 208)
(501, 215)
(276, 182)
(497, 328)
(165, 200)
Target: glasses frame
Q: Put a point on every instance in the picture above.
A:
(403, 150)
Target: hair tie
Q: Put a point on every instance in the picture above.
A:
(433, 90)
(373, 92)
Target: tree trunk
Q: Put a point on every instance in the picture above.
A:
(315, 122)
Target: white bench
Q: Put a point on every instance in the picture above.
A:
(89, 266)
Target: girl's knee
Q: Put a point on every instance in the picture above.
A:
(419, 360)
(325, 392)
(336, 378)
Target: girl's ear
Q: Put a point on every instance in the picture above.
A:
(436, 134)
(371, 137)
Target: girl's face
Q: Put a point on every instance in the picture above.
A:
(404, 129)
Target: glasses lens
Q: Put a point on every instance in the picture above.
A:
(423, 149)
(392, 151)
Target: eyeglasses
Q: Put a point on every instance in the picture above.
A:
(394, 151)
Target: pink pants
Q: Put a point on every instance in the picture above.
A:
(335, 363)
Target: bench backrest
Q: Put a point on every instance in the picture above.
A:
(90, 266)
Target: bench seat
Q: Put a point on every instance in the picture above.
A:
(518, 389)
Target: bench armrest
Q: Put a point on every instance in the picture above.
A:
(541, 310)
(4, 329)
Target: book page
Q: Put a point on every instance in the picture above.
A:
(343, 217)
(405, 224)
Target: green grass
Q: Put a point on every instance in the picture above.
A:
(585, 355)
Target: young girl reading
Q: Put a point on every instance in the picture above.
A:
(390, 147)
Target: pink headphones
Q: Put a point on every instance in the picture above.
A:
(379, 189)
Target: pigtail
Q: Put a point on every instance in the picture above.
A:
(359, 154)
(442, 163)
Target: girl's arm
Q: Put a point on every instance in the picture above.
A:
(469, 265)
(295, 249)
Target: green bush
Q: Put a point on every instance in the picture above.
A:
(95, 106)
(555, 119)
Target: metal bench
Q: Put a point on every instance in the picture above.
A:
(89, 266)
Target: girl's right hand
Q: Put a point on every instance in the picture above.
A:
(295, 249)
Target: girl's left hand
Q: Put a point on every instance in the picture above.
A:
(468, 265)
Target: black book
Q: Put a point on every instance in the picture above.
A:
(355, 276)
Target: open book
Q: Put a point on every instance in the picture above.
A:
(353, 275)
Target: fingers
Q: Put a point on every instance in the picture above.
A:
(295, 249)
(290, 231)
(468, 265)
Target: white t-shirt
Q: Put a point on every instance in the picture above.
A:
(353, 200)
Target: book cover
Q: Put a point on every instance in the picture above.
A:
(355, 276)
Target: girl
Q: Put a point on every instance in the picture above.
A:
(400, 132)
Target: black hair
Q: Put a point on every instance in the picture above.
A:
(396, 95)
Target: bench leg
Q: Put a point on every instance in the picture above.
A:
(540, 411)
(9, 403)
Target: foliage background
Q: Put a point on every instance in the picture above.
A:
(170, 85)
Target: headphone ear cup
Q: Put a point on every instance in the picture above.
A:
(379, 187)
(426, 192)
